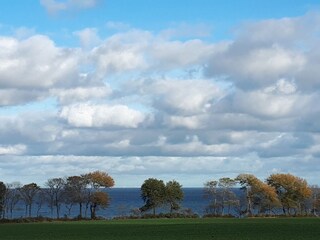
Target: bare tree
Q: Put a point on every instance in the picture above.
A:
(28, 193)
(227, 195)
(211, 192)
(12, 197)
(55, 193)
(75, 191)
(3, 192)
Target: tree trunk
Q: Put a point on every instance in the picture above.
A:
(215, 206)
(58, 211)
(284, 210)
(80, 210)
(26, 210)
(86, 210)
(222, 206)
(30, 210)
(93, 211)
(249, 204)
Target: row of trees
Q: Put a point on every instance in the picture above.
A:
(283, 194)
(83, 190)
(245, 195)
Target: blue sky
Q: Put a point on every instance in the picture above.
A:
(190, 90)
(220, 15)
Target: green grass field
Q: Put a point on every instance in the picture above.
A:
(155, 229)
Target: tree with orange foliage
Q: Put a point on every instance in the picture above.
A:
(258, 193)
(267, 199)
(98, 199)
(97, 180)
(291, 191)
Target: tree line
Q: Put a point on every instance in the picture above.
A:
(84, 191)
(245, 195)
(279, 194)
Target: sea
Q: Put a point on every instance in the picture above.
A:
(123, 202)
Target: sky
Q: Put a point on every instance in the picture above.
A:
(189, 90)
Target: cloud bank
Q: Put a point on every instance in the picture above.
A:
(143, 103)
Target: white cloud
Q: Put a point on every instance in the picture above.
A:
(186, 97)
(265, 51)
(193, 146)
(285, 30)
(190, 122)
(277, 101)
(81, 94)
(174, 54)
(137, 50)
(139, 94)
(89, 115)
(257, 67)
(54, 6)
(88, 37)
(282, 86)
(13, 96)
(134, 168)
(12, 149)
(114, 55)
(36, 63)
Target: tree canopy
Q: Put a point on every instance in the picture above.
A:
(153, 194)
(173, 195)
(291, 190)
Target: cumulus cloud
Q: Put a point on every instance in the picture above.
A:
(251, 67)
(114, 55)
(285, 31)
(35, 63)
(174, 54)
(88, 37)
(89, 115)
(137, 50)
(264, 52)
(184, 96)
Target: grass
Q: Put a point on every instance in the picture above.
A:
(156, 229)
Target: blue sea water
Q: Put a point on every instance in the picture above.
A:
(123, 201)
